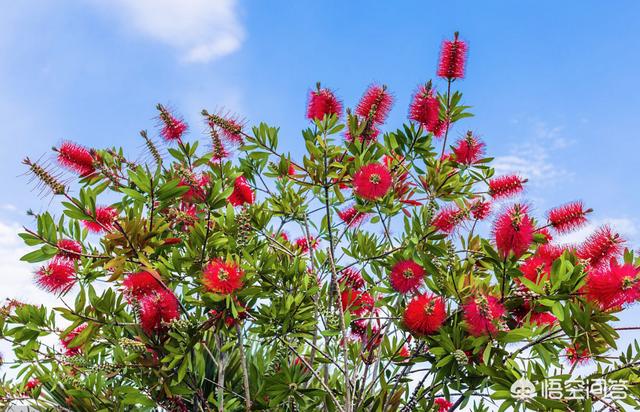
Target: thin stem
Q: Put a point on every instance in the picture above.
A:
(245, 372)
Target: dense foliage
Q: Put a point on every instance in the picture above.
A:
(359, 277)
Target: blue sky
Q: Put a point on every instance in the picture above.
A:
(553, 84)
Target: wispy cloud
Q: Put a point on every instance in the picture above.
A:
(17, 276)
(628, 228)
(201, 30)
(532, 158)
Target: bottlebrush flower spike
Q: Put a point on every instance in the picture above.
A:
(425, 314)
(356, 302)
(537, 268)
(542, 319)
(372, 182)
(304, 245)
(31, 385)
(137, 285)
(351, 216)
(322, 102)
(230, 128)
(513, 231)
(425, 108)
(406, 276)
(104, 220)
(506, 186)
(480, 209)
(442, 404)
(222, 277)
(218, 148)
(66, 341)
(157, 310)
(197, 186)
(568, 217)
(404, 352)
(483, 315)
(440, 128)
(173, 128)
(576, 355)
(453, 54)
(69, 249)
(242, 192)
(351, 278)
(375, 103)
(76, 158)
(58, 276)
(468, 150)
(601, 246)
(448, 218)
(614, 286)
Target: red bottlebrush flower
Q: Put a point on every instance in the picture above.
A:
(66, 341)
(404, 352)
(506, 186)
(440, 128)
(285, 237)
(425, 108)
(76, 158)
(368, 135)
(452, 58)
(351, 216)
(468, 150)
(351, 278)
(242, 192)
(368, 327)
(322, 102)
(614, 286)
(601, 246)
(568, 217)
(484, 315)
(542, 318)
(372, 182)
(406, 276)
(31, 385)
(480, 209)
(577, 356)
(172, 127)
(140, 284)
(304, 244)
(69, 249)
(103, 221)
(442, 404)
(537, 268)
(222, 277)
(230, 129)
(356, 302)
(448, 218)
(58, 276)
(513, 231)
(157, 309)
(376, 102)
(425, 314)
(197, 188)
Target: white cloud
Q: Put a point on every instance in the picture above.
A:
(532, 158)
(628, 228)
(202, 30)
(16, 277)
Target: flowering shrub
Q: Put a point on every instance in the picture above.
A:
(359, 277)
